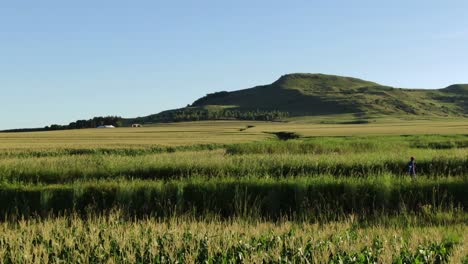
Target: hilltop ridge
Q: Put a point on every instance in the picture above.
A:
(457, 88)
(301, 80)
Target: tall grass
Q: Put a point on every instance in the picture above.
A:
(216, 164)
(350, 145)
(120, 151)
(321, 198)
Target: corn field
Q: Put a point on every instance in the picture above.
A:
(111, 239)
(307, 200)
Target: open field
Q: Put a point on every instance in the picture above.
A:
(336, 193)
(220, 132)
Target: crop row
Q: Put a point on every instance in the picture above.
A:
(315, 145)
(111, 239)
(350, 145)
(129, 150)
(216, 164)
(301, 198)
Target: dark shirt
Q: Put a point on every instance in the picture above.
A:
(412, 167)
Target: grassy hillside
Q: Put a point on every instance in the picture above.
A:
(303, 94)
(310, 98)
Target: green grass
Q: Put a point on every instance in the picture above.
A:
(436, 157)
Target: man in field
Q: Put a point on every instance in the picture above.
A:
(412, 168)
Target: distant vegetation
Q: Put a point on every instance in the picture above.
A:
(96, 121)
(211, 113)
(90, 123)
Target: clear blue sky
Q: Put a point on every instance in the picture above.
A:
(67, 60)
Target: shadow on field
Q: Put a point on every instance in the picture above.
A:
(266, 199)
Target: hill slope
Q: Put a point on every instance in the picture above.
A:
(301, 95)
(304, 94)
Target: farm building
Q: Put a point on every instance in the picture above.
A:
(106, 126)
(136, 125)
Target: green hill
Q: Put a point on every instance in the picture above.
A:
(304, 94)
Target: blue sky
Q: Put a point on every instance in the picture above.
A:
(67, 60)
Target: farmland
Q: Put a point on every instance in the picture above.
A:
(231, 191)
(98, 240)
(222, 132)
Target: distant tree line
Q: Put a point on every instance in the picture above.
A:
(185, 114)
(116, 121)
(199, 114)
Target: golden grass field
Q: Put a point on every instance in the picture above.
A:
(221, 132)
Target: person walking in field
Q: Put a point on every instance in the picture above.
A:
(412, 168)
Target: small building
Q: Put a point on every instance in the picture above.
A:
(106, 126)
(136, 125)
